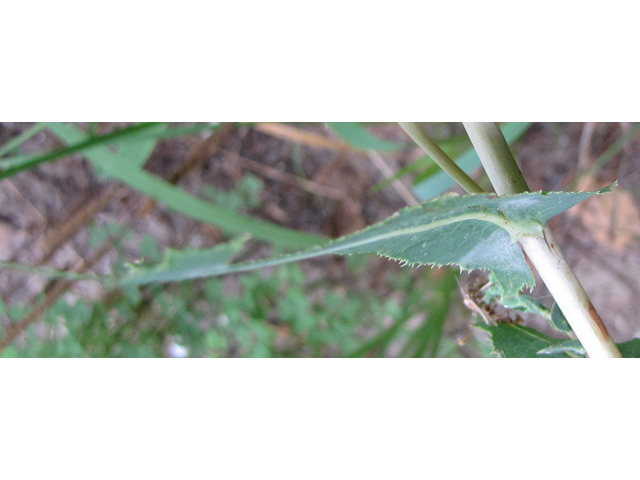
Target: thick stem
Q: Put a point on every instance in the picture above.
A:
(442, 159)
(568, 293)
(544, 252)
(496, 157)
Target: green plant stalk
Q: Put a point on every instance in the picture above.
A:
(441, 158)
(543, 251)
(496, 158)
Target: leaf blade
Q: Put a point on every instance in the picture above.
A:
(11, 166)
(191, 263)
(474, 231)
(359, 137)
(517, 341)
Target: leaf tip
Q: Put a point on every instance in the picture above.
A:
(608, 188)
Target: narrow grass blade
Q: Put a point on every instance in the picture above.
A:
(139, 148)
(618, 145)
(9, 167)
(20, 139)
(429, 336)
(418, 165)
(177, 199)
(172, 132)
(359, 137)
(381, 341)
(53, 273)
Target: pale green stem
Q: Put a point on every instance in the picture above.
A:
(442, 159)
(543, 251)
(496, 157)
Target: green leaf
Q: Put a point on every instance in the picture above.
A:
(138, 150)
(468, 161)
(357, 136)
(380, 341)
(517, 341)
(426, 339)
(186, 264)
(573, 346)
(11, 166)
(175, 132)
(630, 349)
(473, 231)
(177, 199)
(18, 140)
(558, 321)
(520, 301)
(525, 303)
(52, 272)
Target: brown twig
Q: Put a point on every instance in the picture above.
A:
(41, 220)
(70, 226)
(293, 134)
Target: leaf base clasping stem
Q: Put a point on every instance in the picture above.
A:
(543, 251)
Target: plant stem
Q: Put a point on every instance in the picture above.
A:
(547, 258)
(496, 157)
(442, 159)
(544, 252)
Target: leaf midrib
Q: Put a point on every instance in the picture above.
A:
(501, 222)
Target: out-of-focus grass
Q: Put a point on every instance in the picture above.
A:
(274, 313)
